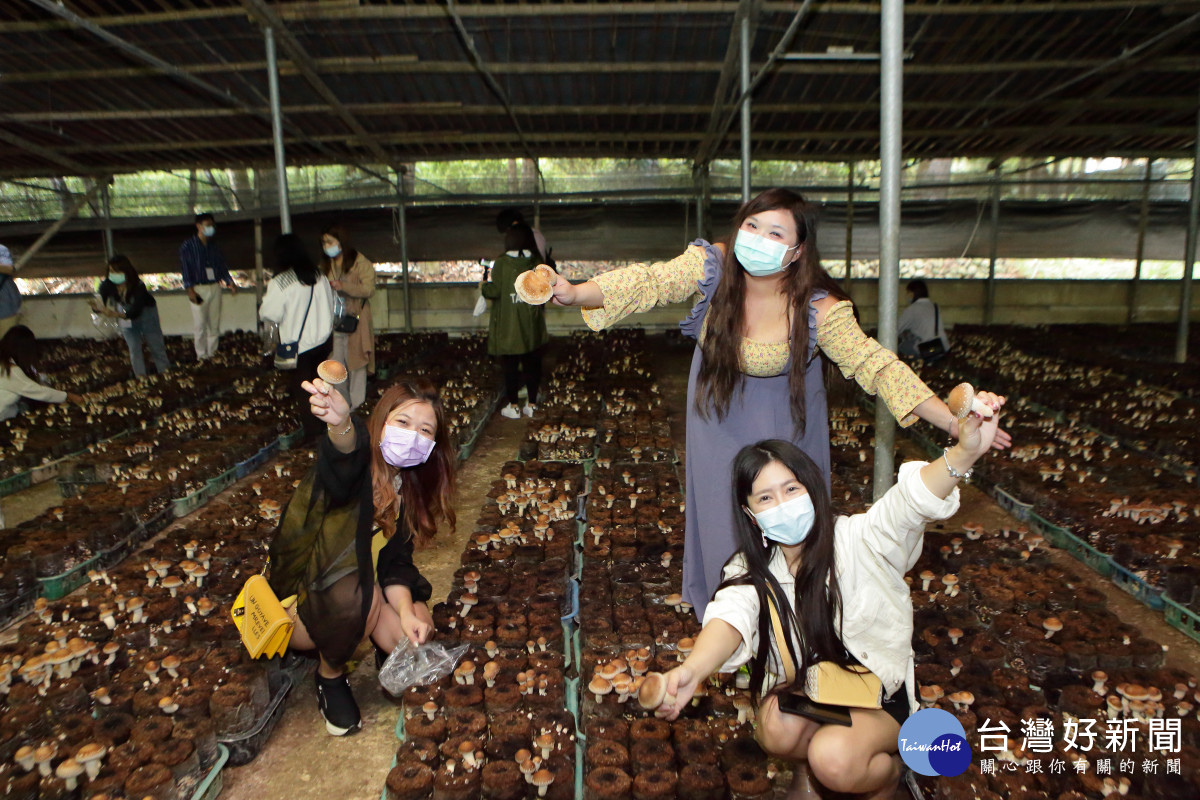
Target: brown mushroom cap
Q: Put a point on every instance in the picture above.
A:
(653, 691)
(332, 371)
(960, 399)
(534, 287)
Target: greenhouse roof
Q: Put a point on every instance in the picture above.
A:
(103, 86)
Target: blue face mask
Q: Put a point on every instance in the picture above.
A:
(788, 523)
(117, 277)
(759, 255)
(333, 250)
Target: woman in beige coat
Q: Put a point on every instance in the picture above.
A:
(352, 275)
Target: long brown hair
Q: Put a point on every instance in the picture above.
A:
(349, 252)
(426, 491)
(720, 369)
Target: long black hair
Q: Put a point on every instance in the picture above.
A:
(19, 348)
(290, 253)
(720, 373)
(817, 593)
(121, 263)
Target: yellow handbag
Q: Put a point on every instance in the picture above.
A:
(826, 682)
(262, 619)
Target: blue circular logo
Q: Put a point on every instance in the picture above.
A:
(932, 742)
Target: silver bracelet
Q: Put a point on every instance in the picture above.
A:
(962, 476)
(349, 427)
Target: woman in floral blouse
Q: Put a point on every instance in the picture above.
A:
(762, 300)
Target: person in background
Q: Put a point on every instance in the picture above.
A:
(516, 331)
(19, 379)
(205, 271)
(299, 300)
(393, 472)
(124, 296)
(836, 586)
(10, 295)
(511, 216)
(766, 307)
(352, 276)
(920, 322)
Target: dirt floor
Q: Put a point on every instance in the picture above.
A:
(302, 762)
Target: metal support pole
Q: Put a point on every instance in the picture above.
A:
(537, 197)
(1143, 218)
(849, 226)
(403, 225)
(109, 250)
(989, 303)
(285, 216)
(891, 114)
(260, 278)
(1189, 254)
(745, 108)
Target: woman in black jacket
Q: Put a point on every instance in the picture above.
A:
(394, 473)
(125, 297)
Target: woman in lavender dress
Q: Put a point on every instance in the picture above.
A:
(762, 301)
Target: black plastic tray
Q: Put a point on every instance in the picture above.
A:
(245, 747)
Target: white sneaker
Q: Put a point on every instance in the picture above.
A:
(511, 411)
(528, 410)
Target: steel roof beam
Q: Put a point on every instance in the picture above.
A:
(407, 64)
(333, 11)
(47, 153)
(713, 132)
(1181, 103)
(443, 138)
(303, 62)
(60, 10)
(1129, 61)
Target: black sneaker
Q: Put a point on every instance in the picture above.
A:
(337, 705)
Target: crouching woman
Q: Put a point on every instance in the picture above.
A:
(846, 603)
(392, 473)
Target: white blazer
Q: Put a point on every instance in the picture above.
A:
(872, 553)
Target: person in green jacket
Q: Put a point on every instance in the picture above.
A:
(517, 331)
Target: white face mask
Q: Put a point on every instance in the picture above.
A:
(789, 522)
(333, 250)
(208, 231)
(759, 255)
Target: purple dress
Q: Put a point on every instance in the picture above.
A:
(762, 410)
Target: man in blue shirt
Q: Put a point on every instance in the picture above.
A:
(205, 271)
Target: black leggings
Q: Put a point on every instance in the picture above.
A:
(524, 368)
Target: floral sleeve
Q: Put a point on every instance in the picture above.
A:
(876, 369)
(641, 287)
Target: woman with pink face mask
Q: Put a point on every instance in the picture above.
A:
(392, 473)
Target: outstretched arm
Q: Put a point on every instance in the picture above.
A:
(714, 646)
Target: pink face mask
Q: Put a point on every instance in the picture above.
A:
(404, 448)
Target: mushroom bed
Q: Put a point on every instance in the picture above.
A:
(124, 687)
(568, 593)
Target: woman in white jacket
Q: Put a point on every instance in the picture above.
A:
(847, 601)
(299, 300)
(19, 376)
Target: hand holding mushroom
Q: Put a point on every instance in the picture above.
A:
(327, 405)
